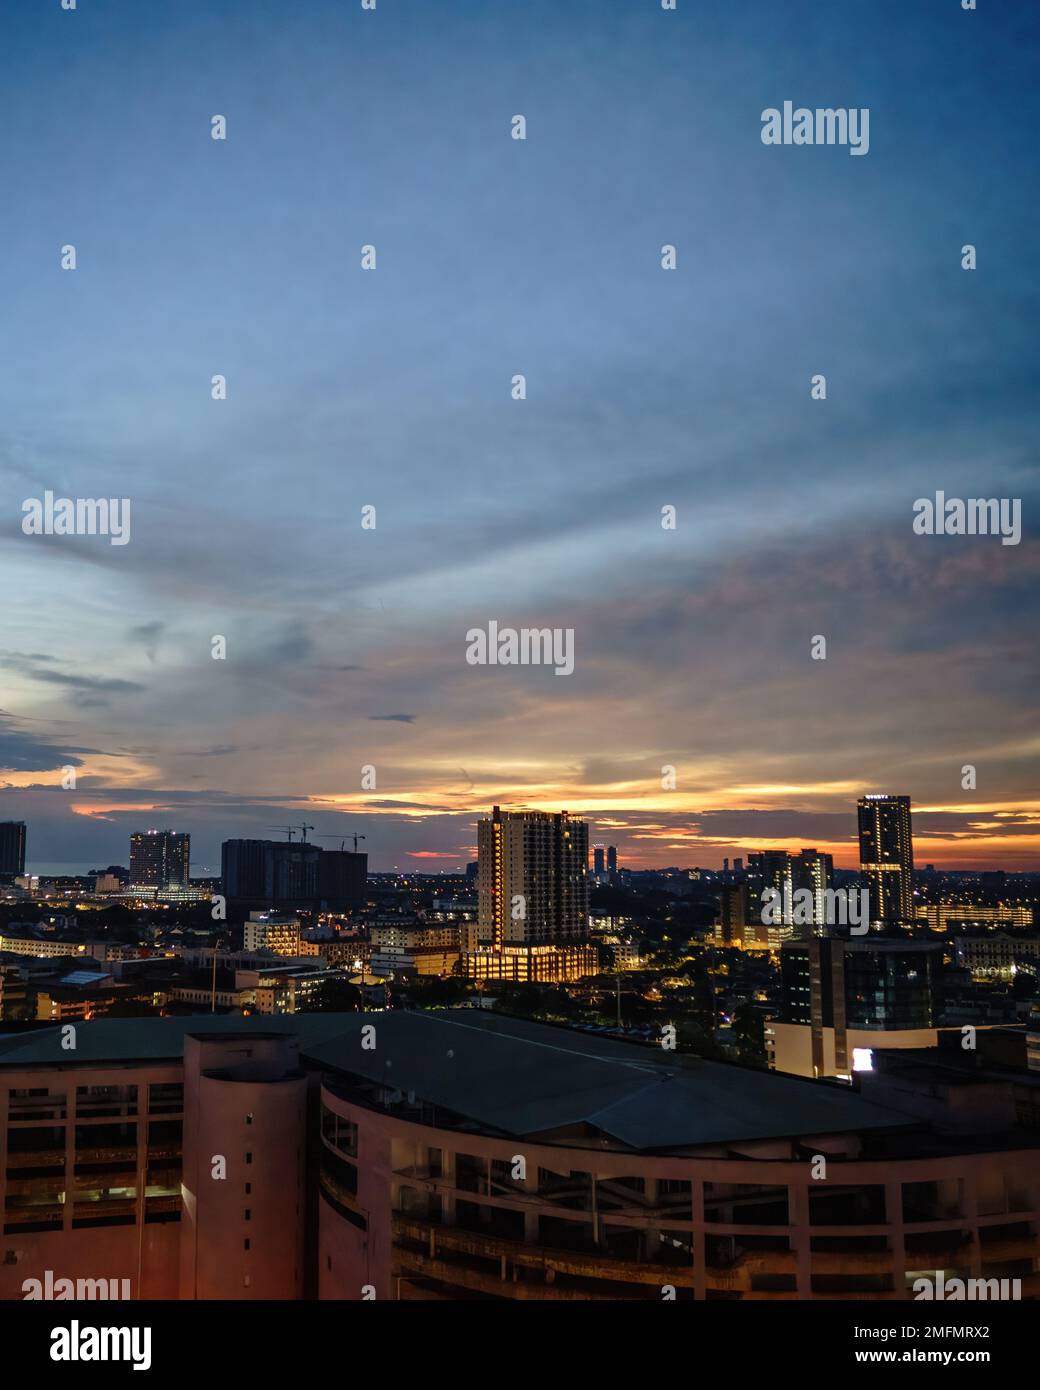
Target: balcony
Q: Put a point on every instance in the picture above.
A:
(517, 1255)
(50, 1185)
(852, 1261)
(37, 1158)
(1011, 1248)
(49, 1213)
(112, 1153)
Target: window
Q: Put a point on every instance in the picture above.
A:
(249, 1118)
(248, 1214)
(165, 1096)
(98, 1102)
(249, 1158)
(246, 1243)
(341, 1134)
(249, 1188)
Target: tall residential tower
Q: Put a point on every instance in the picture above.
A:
(533, 917)
(886, 857)
(159, 859)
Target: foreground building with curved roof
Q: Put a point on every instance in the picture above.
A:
(466, 1155)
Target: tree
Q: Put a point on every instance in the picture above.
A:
(750, 1031)
(337, 996)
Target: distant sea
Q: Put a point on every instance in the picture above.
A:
(47, 868)
(50, 869)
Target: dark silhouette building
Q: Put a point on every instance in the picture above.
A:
(291, 875)
(12, 849)
(342, 880)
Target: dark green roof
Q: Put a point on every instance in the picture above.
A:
(151, 1039)
(509, 1075)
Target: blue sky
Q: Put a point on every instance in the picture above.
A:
(645, 388)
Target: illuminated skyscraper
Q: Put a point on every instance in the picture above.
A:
(771, 869)
(886, 857)
(815, 871)
(597, 861)
(159, 859)
(731, 917)
(533, 888)
(787, 875)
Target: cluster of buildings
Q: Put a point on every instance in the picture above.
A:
(847, 994)
(255, 874)
(886, 852)
(460, 1153)
(309, 917)
(70, 977)
(604, 864)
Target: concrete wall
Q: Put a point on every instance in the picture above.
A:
(244, 1165)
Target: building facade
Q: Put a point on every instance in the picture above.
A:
(886, 857)
(841, 997)
(533, 898)
(271, 931)
(291, 875)
(731, 917)
(159, 859)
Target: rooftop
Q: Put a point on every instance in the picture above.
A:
(508, 1075)
(526, 1079)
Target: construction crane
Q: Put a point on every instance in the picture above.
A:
(343, 840)
(290, 828)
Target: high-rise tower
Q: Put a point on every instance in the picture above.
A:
(12, 848)
(533, 886)
(159, 859)
(886, 857)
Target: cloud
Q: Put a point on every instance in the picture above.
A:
(28, 666)
(24, 751)
(148, 634)
(394, 718)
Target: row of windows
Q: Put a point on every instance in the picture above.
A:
(97, 1102)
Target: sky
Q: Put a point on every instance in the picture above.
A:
(392, 388)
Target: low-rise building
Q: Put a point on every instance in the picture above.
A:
(271, 931)
(997, 956)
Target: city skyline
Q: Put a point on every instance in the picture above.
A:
(347, 648)
(794, 846)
